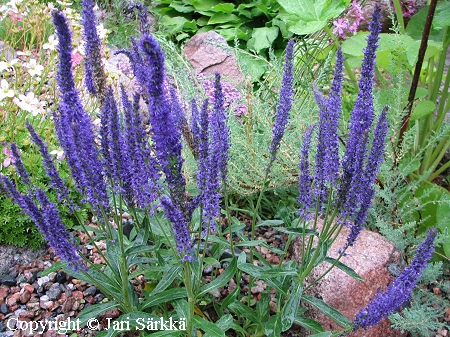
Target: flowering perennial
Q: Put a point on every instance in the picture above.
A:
(399, 292)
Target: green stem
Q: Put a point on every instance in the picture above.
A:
(399, 15)
(191, 298)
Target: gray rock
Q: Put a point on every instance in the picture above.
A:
(8, 280)
(209, 53)
(54, 293)
(369, 257)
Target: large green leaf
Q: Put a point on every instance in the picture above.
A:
(292, 305)
(309, 16)
(421, 109)
(94, 310)
(266, 273)
(222, 18)
(262, 38)
(208, 327)
(309, 324)
(346, 269)
(167, 279)
(204, 5)
(221, 280)
(164, 297)
(273, 327)
(329, 311)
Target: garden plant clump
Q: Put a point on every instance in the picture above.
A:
(149, 223)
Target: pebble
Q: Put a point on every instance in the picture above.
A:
(54, 293)
(61, 277)
(8, 280)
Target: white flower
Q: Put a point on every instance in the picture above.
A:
(34, 69)
(59, 154)
(8, 65)
(27, 103)
(102, 31)
(51, 44)
(5, 91)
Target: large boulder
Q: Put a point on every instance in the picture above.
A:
(371, 257)
(208, 53)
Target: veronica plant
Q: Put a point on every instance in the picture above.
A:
(125, 174)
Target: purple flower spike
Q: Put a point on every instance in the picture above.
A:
(55, 180)
(360, 119)
(73, 125)
(23, 173)
(180, 229)
(327, 157)
(95, 78)
(305, 178)
(47, 219)
(399, 292)
(285, 101)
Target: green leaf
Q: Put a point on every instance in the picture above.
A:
(136, 320)
(222, 18)
(422, 108)
(174, 24)
(221, 280)
(355, 45)
(329, 311)
(164, 297)
(181, 7)
(224, 8)
(167, 279)
(250, 243)
(94, 310)
(262, 38)
(323, 334)
(298, 231)
(308, 16)
(134, 250)
(262, 307)
(53, 268)
(346, 269)
(164, 333)
(442, 15)
(204, 5)
(266, 273)
(207, 327)
(273, 327)
(252, 65)
(224, 323)
(270, 223)
(292, 305)
(242, 310)
(309, 324)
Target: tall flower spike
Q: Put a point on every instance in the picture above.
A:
(360, 120)
(19, 165)
(365, 188)
(144, 25)
(399, 292)
(163, 119)
(95, 78)
(55, 180)
(327, 156)
(48, 221)
(74, 127)
(305, 179)
(285, 102)
(180, 229)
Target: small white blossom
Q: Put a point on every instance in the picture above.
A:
(5, 91)
(9, 65)
(51, 44)
(60, 155)
(27, 103)
(34, 69)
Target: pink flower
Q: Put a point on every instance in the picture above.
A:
(76, 58)
(15, 18)
(340, 27)
(9, 157)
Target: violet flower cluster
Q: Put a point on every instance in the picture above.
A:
(285, 102)
(350, 23)
(362, 157)
(399, 292)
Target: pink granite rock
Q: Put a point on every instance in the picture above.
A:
(370, 258)
(209, 53)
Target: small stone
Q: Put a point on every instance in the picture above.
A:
(259, 287)
(273, 307)
(67, 306)
(437, 291)
(77, 294)
(90, 291)
(33, 306)
(264, 250)
(52, 276)
(42, 280)
(4, 308)
(8, 280)
(76, 281)
(99, 297)
(61, 277)
(13, 299)
(54, 293)
(3, 292)
(29, 288)
(24, 297)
